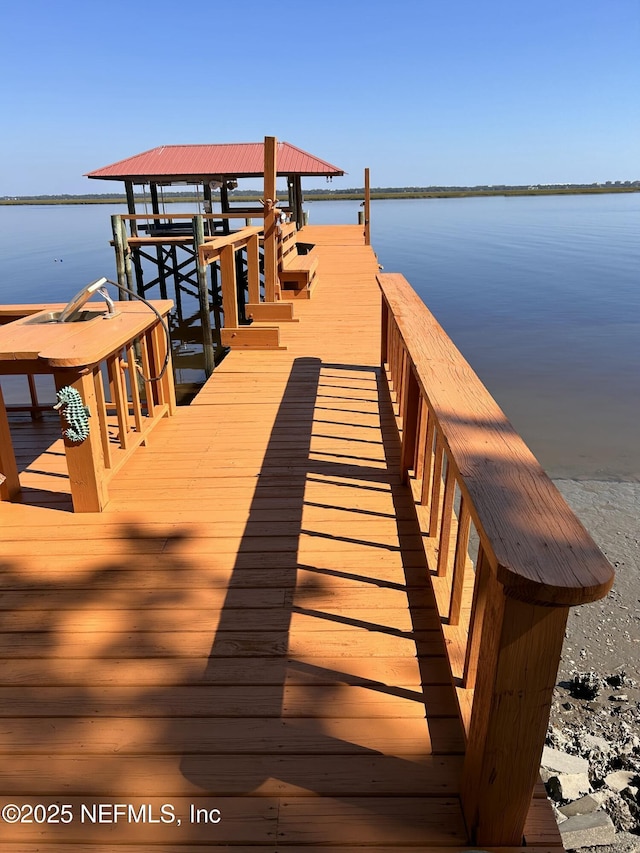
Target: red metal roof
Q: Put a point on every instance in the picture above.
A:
(193, 163)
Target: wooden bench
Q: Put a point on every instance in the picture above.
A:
(297, 273)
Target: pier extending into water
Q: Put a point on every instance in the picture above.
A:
(321, 609)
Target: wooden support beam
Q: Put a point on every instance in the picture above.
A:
(270, 223)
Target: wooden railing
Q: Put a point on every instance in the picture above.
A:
(105, 362)
(223, 249)
(503, 611)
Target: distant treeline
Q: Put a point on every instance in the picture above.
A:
(354, 193)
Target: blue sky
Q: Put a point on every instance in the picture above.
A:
(421, 91)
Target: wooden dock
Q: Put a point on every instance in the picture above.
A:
(245, 644)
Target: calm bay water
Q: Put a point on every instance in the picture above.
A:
(542, 295)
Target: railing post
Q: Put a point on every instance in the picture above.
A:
(253, 269)
(229, 291)
(270, 224)
(367, 209)
(85, 460)
(518, 659)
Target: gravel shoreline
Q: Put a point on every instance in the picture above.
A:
(595, 714)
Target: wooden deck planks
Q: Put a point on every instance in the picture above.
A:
(236, 622)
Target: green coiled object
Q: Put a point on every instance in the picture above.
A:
(75, 413)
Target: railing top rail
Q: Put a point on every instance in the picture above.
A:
(234, 213)
(211, 248)
(540, 550)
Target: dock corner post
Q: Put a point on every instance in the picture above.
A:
(270, 224)
(384, 333)
(85, 460)
(517, 670)
(203, 296)
(367, 208)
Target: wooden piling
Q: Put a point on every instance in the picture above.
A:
(116, 230)
(203, 297)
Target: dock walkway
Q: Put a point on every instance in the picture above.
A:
(244, 645)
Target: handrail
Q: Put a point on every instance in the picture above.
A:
(224, 249)
(505, 621)
(212, 246)
(234, 213)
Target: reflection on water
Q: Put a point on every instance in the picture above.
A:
(541, 295)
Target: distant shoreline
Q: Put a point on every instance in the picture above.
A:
(355, 195)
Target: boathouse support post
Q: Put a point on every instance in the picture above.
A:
(155, 207)
(299, 214)
(203, 296)
(118, 245)
(367, 209)
(518, 661)
(208, 205)
(128, 270)
(270, 224)
(224, 204)
(131, 206)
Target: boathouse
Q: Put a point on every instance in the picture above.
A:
(319, 608)
(158, 248)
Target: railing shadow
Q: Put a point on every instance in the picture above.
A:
(294, 702)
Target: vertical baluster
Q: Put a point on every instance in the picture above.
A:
(411, 400)
(404, 359)
(101, 417)
(253, 269)
(384, 333)
(423, 417)
(119, 398)
(394, 362)
(445, 526)
(428, 461)
(436, 486)
(459, 564)
(135, 390)
(149, 387)
(483, 570)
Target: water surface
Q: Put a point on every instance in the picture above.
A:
(541, 294)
